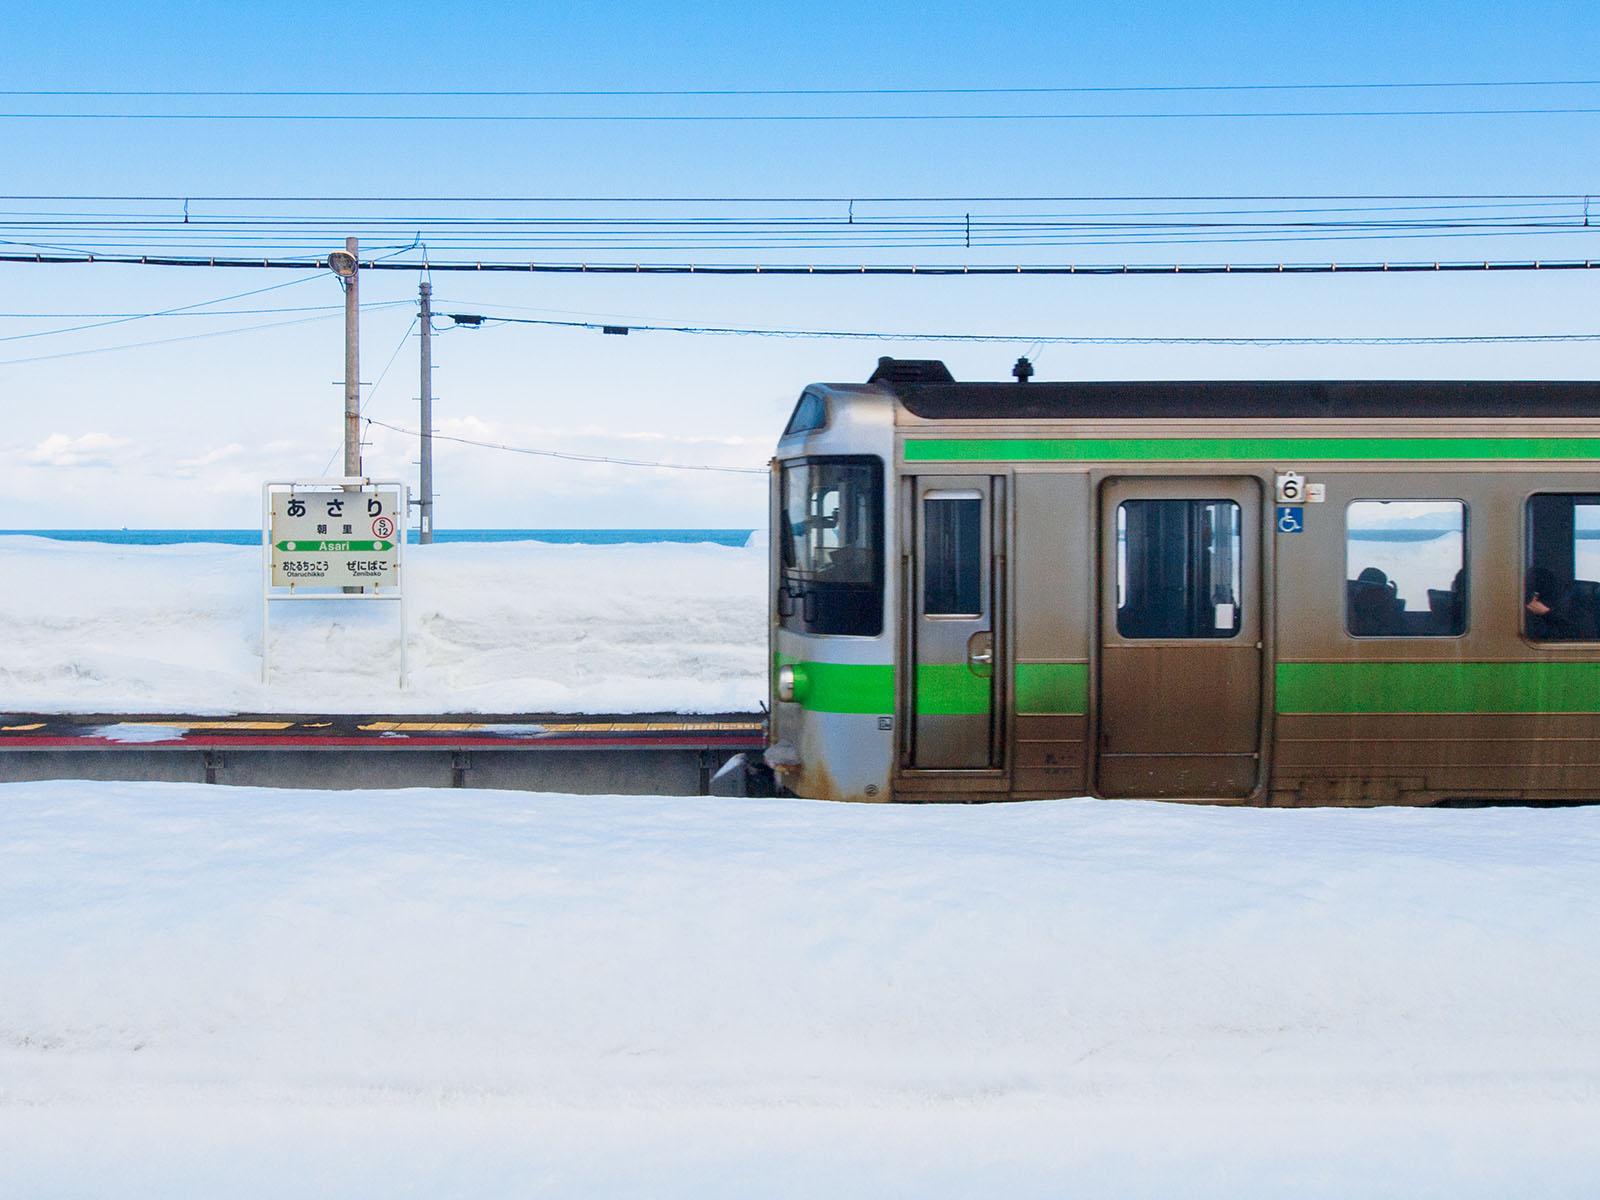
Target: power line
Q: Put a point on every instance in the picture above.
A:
(188, 337)
(165, 312)
(1044, 339)
(563, 454)
(813, 199)
(790, 118)
(212, 312)
(872, 91)
(59, 258)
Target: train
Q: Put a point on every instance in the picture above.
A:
(1280, 592)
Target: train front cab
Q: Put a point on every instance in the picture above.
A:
(834, 595)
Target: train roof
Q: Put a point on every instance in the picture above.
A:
(927, 389)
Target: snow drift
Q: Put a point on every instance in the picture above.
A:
(263, 993)
(502, 627)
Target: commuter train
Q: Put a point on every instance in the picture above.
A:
(1275, 593)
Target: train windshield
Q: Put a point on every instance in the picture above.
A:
(832, 547)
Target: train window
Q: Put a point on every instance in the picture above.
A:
(1178, 569)
(831, 544)
(952, 554)
(810, 413)
(1406, 568)
(1561, 577)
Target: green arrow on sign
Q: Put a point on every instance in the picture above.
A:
(322, 547)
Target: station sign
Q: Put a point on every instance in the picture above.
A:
(335, 538)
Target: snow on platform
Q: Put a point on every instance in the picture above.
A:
(502, 627)
(260, 993)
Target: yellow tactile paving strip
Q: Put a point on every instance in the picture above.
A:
(418, 727)
(220, 726)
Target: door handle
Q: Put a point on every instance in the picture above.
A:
(980, 653)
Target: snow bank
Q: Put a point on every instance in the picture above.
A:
(506, 627)
(260, 993)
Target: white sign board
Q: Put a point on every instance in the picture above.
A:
(327, 538)
(332, 539)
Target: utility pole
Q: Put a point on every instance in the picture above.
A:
(352, 360)
(426, 503)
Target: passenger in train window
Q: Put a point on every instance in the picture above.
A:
(1562, 592)
(1375, 606)
(1413, 576)
(1447, 609)
(1550, 615)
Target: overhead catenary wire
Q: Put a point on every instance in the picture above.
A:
(782, 269)
(572, 456)
(554, 230)
(1076, 89)
(783, 199)
(796, 118)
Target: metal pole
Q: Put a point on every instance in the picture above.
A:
(352, 363)
(427, 411)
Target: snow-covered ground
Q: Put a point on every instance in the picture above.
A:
(250, 993)
(506, 627)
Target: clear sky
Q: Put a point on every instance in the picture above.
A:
(183, 434)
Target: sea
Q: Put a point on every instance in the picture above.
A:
(252, 537)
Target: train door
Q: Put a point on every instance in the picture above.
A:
(1180, 660)
(952, 691)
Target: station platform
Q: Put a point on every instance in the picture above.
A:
(633, 754)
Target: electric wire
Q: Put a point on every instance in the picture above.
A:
(792, 118)
(165, 312)
(1080, 89)
(786, 269)
(187, 337)
(215, 312)
(574, 457)
(811, 199)
(1032, 339)
(544, 233)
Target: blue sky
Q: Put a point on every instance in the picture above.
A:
(183, 434)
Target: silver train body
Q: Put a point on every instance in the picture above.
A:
(1022, 590)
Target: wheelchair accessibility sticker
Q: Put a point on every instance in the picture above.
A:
(1291, 518)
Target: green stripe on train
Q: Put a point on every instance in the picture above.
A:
(1280, 449)
(1439, 687)
(941, 690)
(951, 689)
(842, 687)
(1052, 688)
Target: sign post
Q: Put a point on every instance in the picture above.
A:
(332, 539)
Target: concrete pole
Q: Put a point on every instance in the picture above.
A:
(352, 362)
(427, 411)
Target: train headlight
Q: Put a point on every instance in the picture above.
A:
(792, 683)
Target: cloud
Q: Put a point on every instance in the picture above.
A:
(86, 450)
(187, 468)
